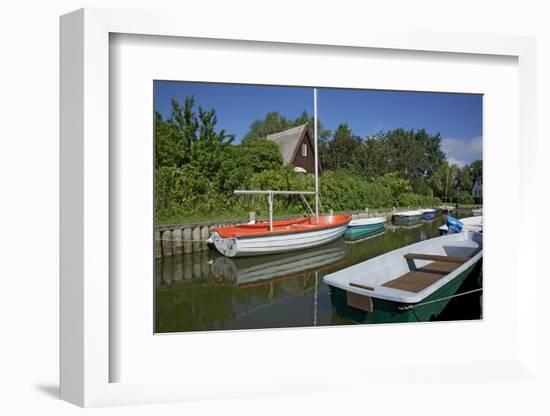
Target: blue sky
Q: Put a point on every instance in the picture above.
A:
(457, 117)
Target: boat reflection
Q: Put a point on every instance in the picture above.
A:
(244, 271)
(209, 291)
(210, 266)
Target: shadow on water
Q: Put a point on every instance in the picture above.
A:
(206, 291)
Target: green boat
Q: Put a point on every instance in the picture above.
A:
(411, 284)
(364, 228)
(407, 218)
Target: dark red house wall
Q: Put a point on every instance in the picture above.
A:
(308, 162)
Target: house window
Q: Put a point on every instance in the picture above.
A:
(304, 150)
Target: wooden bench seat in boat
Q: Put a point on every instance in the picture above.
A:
(433, 257)
(421, 278)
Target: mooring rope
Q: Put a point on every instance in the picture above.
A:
(409, 307)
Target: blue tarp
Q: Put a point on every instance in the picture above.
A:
(454, 225)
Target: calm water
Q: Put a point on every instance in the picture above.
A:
(206, 291)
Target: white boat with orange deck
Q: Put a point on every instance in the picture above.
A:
(278, 236)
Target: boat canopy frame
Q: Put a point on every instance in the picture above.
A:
(270, 195)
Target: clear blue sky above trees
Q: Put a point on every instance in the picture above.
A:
(458, 117)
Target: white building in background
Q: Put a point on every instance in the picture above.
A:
(477, 189)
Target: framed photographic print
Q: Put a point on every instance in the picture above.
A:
(244, 215)
(238, 244)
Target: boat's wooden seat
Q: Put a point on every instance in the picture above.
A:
(421, 278)
(433, 257)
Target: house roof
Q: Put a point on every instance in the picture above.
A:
(288, 140)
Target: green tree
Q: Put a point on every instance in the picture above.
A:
(209, 147)
(395, 185)
(476, 169)
(343, 150)
(443, 180)
(185, 137)
(242, 161)
(414, 155)
(463, 181)
(169, 151)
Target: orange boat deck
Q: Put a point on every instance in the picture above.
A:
(290, 226)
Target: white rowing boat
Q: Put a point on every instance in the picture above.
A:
(412, 273)
(279, 236)
(407, 217)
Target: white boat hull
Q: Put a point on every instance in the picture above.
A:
(374, 273)
(260, 245)
(367, 221)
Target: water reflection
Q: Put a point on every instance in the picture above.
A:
(206, 291)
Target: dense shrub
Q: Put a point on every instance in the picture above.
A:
(465, 198)
(198, 168)
(415, 200)
(184, 193)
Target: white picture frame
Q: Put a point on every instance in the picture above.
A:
(85, 211)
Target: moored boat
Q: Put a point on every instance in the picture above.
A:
(407, 218)
(278, 236)
(428, 214)
(477, 212)
(449, 208)
(412, 283)
(366, 227)
(468, 224)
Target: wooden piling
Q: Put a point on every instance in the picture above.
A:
(158, 245)
(196, 233)
(166, 237)
(177, 242)
(205, 233)
(187, 243)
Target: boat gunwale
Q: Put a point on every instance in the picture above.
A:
(406, 297)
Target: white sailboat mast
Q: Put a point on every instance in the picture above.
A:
(316, 155)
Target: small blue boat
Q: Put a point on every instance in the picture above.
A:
(363, 228)
(428, 214)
